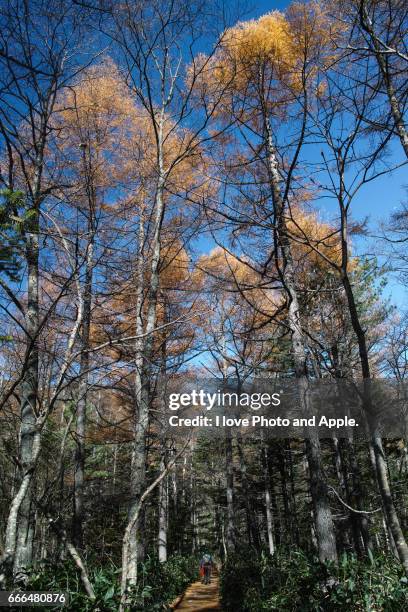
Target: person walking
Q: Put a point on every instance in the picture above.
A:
(206, 565)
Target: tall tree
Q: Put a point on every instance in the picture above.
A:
(271, 64)
(95, 119)
(152, 39)
(347, 168)
(37, 37)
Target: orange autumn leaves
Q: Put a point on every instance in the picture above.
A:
(109, 146)
(271, 60)
(98, 119)
(94, 125)
(310, 239)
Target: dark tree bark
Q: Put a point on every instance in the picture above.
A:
(380, 463)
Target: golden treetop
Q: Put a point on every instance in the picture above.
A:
(273, 57)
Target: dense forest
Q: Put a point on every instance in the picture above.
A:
(200, 190)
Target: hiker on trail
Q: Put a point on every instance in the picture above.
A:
(206, 565)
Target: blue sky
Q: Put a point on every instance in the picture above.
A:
(376, 201)
(263, 6)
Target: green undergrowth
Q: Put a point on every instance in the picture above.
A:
(293, 581)
(158, 583)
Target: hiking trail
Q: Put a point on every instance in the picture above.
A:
(200, 597)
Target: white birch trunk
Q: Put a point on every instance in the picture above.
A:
(163, 514)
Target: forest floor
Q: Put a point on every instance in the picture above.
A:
(201, 597)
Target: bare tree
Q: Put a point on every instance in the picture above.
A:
(157, 42)
(348, 164)
(377, 31)
(38, 38)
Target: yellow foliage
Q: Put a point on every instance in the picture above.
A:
(224, 273)
(175, 265)
(267, 39)
(271, 59)
(305, 227)
(100, 101)
(95, 121)
(99, 119)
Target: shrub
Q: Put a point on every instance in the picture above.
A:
(294, 581)
(158, 583)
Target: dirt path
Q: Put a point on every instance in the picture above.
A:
(201, 597)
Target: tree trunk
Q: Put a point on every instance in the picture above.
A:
(252, 529)
(12, 528)
(378, 453)
(230, 526)
(283, 485)
(130, 529)
(341, 473)
(292, 498)
(143, 352)
(268, 504)
(345, 452)
(140, 424)
(357, 496)
(283, 254)
(163, 510)
(28, 405)
(79, 474)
